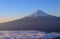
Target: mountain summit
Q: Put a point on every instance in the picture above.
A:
(38, 13)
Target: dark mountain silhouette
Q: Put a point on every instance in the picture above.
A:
(36, 21)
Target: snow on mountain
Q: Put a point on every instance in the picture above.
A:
(38, 13)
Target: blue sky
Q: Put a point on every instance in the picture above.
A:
(20, 8)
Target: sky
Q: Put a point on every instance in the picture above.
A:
(14, 9)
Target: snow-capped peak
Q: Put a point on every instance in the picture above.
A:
(38, 13)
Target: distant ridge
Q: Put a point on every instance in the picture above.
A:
(38, 20)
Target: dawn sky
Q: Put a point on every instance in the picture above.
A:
(20, 8)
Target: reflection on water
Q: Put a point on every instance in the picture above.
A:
(25, 34)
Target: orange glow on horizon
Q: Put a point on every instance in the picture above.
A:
(3, 20)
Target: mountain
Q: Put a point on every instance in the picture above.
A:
(38, 20)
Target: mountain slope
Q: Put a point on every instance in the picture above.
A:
(39, 21)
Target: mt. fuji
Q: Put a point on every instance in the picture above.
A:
(38, 20)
